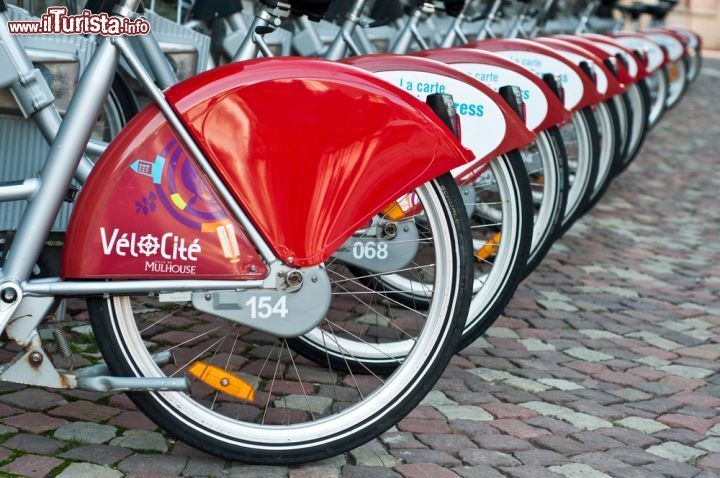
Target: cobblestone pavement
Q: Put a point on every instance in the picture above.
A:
(605, 363)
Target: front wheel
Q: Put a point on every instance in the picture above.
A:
(659, 88)
(638, 101)
(679, 81)
(581, 140)
(299, 410)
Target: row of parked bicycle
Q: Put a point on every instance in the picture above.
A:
(281, 255)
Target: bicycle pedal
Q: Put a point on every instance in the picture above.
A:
(222, 381)
(489, 249)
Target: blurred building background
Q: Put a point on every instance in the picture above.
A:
(702, 16)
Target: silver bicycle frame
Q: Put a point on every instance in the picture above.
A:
(69, 139)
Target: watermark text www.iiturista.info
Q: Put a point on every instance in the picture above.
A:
(57, 21)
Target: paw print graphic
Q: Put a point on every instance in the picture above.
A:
(146, 205)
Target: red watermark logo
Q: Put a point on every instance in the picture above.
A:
(57, 21)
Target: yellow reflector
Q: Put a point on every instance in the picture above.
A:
(393, 212)
(490, 248)
(673, 73)
(222, 381)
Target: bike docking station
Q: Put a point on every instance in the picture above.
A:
(284, 223)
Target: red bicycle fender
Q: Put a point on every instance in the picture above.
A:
(636, 67)
(148, 212)
(580, 92)
(623, 75)
(489, 126)
(670, 40)
(692, 39)
(657, 57)
(310, 149)
(543, 108)
(605, 81)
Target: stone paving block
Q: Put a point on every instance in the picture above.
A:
(582, 353)
(687, 372)
(414, 425)
(88, 470)
(373, 454)
(547, 409)
(245, 471)
(34, 399)
(508, 410)
(85, 432)
(536, 345)
(710, 462)
(164, 464)
(596, 440)
(141, 440)
(578, 470)
(435, 398)
(711, 444)
(353, 471)
(556, 426)
(424, 470)
(478, 471)
(34, 422)
(32, 466)
(695, 424)
(671, 468)
(644, 425)
(537, 457)
(518, 429)
(464, 412)
(633, 456)
(100, 454)
(585, 421)
(630, 394)
(501, 443)
(423, 455)
(400, 440)
(34, 444)
(204, 467)
(474, 456)
(84, 410)
(447, 443)
(530, 471)
(560, 384)
(676, 452)
(562, 445)
(133, 420)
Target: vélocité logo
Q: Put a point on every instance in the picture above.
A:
(57, 21)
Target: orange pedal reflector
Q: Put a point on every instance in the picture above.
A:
(489, 248)
(393, 212)
(222, 380)
(673, 73)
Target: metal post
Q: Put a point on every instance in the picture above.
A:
(343, 40)
(63, 160)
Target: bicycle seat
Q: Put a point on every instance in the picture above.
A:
(314, 9)
(454, 7)
(635, 11)
(660, 10)
(210, 9)
(605, 9)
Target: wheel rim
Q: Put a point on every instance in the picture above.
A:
(576, 138)
(544, 193)
(371, 406)
(657, 85)
(677, 87)
(607, 147)
(636, 128)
